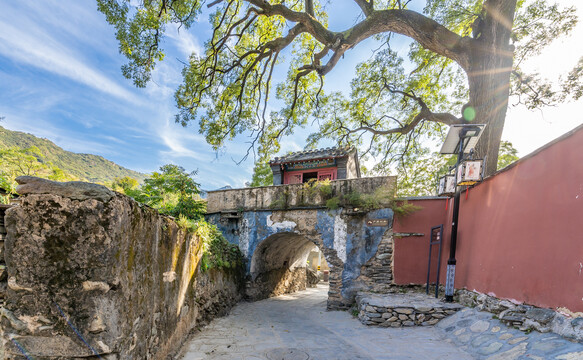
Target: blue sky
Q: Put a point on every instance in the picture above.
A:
(60, 79)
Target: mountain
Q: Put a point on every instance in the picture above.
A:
(87, 167)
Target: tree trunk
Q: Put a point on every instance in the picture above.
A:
(489, 76)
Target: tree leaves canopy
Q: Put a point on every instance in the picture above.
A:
(465, 59)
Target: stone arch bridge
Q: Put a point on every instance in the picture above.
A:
(276, 227)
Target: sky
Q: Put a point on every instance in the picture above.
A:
(60, 79)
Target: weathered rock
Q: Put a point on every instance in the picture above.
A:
(567, 327)
(373, 315)
(97, 325)
(542, 316)
(404, 311)
(312, 278)
(96, 285)
(75, 190)
(415, 308)
(479, 326)
(94, 260)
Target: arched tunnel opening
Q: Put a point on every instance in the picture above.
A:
(285, 263)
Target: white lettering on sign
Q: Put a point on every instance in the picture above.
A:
(377, 222)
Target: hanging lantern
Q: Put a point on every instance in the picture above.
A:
(469, 172)
(446, 185)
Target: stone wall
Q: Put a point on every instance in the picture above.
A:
(397, 310)
(526, 317)
(378, 271)
(359, 254)
(288, 196)
(276, 282)
(92, 273)
(3, 276)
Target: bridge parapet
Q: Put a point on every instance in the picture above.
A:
(293, 195)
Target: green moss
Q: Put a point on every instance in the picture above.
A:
(280, 202)
(333, 203)
(131, 257)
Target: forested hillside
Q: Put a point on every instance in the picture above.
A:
(87, 167)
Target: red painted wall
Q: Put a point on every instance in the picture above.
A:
(411, 253)
(520, 232)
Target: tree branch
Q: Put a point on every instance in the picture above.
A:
(365, 6)
(425, 114)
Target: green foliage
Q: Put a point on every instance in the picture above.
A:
(65, 165)
(508, 154)
(124, 184)
(280, 202)
(15, 161)
(189, 207)
(419, 175)
(262, 174)
(405, 208)
(217, 251)
(333, 203)
(392, 106)
(381, 197)
(172, 191)
(314, 187)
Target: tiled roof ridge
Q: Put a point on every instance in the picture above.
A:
(334, 152)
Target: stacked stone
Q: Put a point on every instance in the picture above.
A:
(377, 273)
(3, 276)
(402, 316)
(396, 310)
(525, 317)
(335, 300)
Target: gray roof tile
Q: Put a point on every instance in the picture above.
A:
(332, 152)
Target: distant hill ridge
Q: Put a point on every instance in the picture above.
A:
(93, 168)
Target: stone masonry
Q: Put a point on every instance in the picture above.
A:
(526, 317)
(3, 277)
(94, 274)
(397, 310)
(275, 226)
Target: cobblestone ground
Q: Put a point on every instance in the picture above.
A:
(298, 327)
(486, 338)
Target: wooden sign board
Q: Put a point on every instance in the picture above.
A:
(377, 222)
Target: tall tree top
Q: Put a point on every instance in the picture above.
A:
(462, 66)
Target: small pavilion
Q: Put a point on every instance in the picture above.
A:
(320, 164)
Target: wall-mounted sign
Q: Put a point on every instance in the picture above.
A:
(446, 185)
(377, 222)
(469, 172)
(310, 164)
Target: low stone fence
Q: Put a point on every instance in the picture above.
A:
(525, 317)
(94, 274)
(291, 196)
(397, 310)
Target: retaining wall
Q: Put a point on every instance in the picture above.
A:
(519, 234)
(92, 273)
(289, 196)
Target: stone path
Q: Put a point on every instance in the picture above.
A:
(487, 338)
(298, 327)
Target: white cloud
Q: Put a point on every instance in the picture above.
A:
(184, 41)
(31, 44)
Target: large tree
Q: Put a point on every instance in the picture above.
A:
(462, 65)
